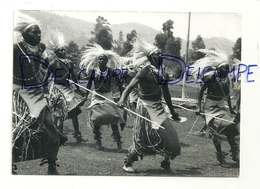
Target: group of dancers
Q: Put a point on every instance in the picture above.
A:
(41, 105)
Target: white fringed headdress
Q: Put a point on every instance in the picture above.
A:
(212, 58)
(90, 56)
(55, 40)
(22, 22)
(142, 50)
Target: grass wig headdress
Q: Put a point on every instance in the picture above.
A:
(211, 60)
(90, 56)
(22, 23)
(55, 40)
(141, 51)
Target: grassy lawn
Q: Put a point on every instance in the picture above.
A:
(197, 157)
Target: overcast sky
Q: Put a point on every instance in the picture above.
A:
(207, 25)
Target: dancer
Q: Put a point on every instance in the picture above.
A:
(34, 134)
(103, 67)
(217, 85)
(149, 139)
(126, 76)
(62, 98)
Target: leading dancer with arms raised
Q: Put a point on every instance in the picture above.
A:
(149, 138)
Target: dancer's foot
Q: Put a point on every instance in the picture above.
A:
(129, 169)
(63, 140)
(52, 169)
(235, 158)
(99, 145)
(235, 153)
(119, 146)
(166, 166)
(79, 139)
(14, 168)
(221, 159)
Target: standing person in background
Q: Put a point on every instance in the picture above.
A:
(34, 134)
(103, 67)
(148, 138)
(217, 85)
(64, 100)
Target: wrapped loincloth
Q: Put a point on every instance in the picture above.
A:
(103, 112)
(63, 99)
(147, 141)
(32, 138)
(217, 108)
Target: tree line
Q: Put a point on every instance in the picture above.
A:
(165, 41)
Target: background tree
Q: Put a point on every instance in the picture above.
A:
(118, 44)
(237, 49)
(101, 23)
(167, 27)
(128, 44)
(104, 38)
(198, 43)
(131, 36)
(120, 38)
(166, 42)
(73, 53)
(173, 46)
(72, 48)
(160, 40)
(169, 45)
(102, 33)
(194, 55)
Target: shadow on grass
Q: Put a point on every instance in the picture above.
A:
(78, 144)
(93, 145)
(111, 150)
(229, 164)
(184, 145)
(69, 174)
(192, 171)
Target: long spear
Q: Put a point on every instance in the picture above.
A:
(116, 104)
(204, 114)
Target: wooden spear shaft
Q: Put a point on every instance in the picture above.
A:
(204, 114)
(116, 104)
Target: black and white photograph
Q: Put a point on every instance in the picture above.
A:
(104, 98)
(131, 94)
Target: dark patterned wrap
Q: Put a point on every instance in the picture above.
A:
(32, 138)
(63, 99)
(215, 106)
(148, 141)
(219, 127)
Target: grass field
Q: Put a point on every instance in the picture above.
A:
(197, 157)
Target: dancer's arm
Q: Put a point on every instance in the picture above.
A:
(202, 89)
(74, 78)
(89, 84)
(229, 105)
(119, 84)
(229, 100)
(167, 98)
(134, 82)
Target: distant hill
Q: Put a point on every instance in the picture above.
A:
(72, 28)
(216, 42)
(80, 31)
(146, 32)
